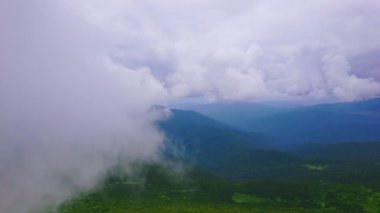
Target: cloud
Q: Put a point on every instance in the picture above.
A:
(78, 77)
(266, 49)
(68, 113)
(344, 85)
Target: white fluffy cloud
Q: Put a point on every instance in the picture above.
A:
(68, 113)
(248, 50)
(77, 77)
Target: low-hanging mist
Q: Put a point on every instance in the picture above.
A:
(77, 78)
(68, 113)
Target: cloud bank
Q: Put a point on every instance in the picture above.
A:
(77, 77)
(68, 113)
(254, 50)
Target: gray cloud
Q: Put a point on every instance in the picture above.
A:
(77, 77)
(68, 113)
(251, 50)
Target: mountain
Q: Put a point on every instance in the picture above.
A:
(189, 117)
(369, 107)
(197, 137)
(310, 126)
(327, 123)
(351, 151)
(228, 152)
(236, 171)
(236, 113)
(218, 147)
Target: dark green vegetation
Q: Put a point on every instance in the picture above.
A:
(229, 169)
(195, 191)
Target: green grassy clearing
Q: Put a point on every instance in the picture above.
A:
(315, 167)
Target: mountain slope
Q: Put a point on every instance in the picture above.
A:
(197, 136)
(230, 153)
(327, 123)
(310, 126)
(235, 113)
(217, 147)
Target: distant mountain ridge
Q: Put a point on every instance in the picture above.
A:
(192, 127)
(236, 113)
(325, 123)
(228, 152)
(213, 145)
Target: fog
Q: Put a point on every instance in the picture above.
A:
(77, 78)
(68, 113)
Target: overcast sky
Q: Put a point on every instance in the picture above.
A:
(77, 77)
(249, 50)
(222, 50)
